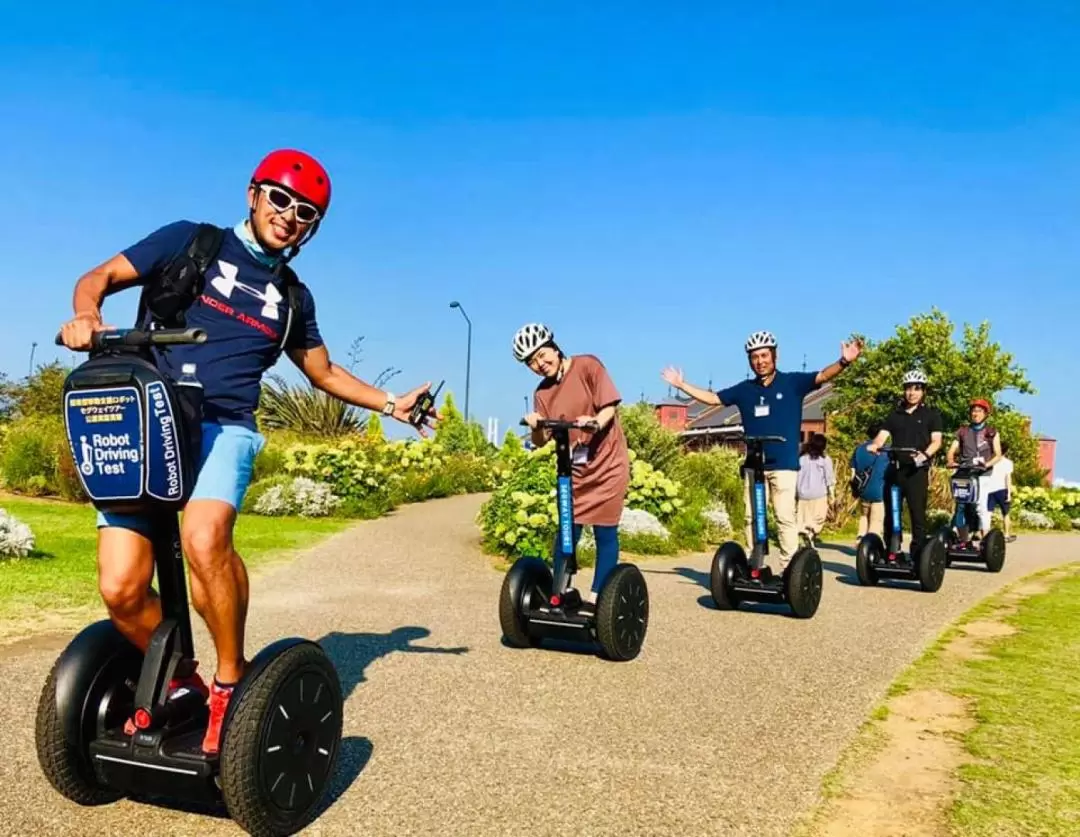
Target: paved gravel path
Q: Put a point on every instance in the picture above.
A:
(725, 724)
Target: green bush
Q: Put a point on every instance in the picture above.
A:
(716, 474)
(650, 440)
(652, 491)
(521, 517)
(32, 453)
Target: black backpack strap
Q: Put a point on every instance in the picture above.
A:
(202, 249)
(294, 291)
(205, 245)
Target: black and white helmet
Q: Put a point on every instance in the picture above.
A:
(529, 338)
(760, 340)
(916, 376)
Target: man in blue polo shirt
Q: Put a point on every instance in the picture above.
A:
(770, 404)
(244, 308)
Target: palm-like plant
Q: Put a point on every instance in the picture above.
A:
(304, 409)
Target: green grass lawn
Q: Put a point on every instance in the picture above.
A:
(62, 572)
(1027, 741)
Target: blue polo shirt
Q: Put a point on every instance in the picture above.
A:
(774, 410)
(243, 307)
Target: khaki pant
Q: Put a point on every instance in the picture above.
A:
(812, 515)
(780, 491)
(871, 518)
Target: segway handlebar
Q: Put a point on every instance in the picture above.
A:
(559, 424)
(972, 468)
(136, 338)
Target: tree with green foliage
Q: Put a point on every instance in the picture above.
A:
(458, 436)
(973, 367)
(39, 395)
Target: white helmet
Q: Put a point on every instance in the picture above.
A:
(760, 340)
(916, 376)
(529, 338)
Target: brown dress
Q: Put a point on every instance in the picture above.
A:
(600, 483)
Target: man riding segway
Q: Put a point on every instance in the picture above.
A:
(235, 285)
(771, 404)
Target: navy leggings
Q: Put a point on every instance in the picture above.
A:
(607, 552)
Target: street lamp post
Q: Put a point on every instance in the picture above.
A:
(468, 355)
(33, 347)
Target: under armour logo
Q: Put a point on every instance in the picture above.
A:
(225, 283)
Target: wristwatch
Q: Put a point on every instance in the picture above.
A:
(390, 405)
(844, 362)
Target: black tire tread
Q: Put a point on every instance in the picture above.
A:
(994, 564)
(926, 582)
(62, 763)
(805, 561)
(239, 755)
(864, 567)
(510, 611)
(723, 597)
(508, 618)
(605, 613)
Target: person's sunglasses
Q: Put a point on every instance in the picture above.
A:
(306, 213)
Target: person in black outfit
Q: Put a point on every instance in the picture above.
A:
(912, 425)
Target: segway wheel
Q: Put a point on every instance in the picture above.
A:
(108, 702)
(527, 584)
(993, 550)
(869, 550)
(931, 567)
(622, 613)
(802, 582)
(728, 563)
(281, 744)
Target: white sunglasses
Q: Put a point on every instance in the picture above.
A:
(282, 201)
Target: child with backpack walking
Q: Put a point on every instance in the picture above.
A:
(814, 487)
(868, 484)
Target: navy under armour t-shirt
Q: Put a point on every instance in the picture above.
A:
(774, 410)
(244, 308)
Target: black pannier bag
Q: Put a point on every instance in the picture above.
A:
(134, 434)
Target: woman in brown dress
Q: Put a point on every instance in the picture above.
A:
(579, 387)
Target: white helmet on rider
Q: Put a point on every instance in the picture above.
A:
(760, 340)
(529, 338)
(916, 376)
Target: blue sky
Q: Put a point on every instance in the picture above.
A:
(653, 180)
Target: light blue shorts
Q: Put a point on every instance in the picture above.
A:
(226, 462)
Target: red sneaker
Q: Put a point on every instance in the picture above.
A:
(191, 681)
(219, 703)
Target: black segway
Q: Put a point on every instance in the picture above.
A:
(958, 536)
(534, 606)
(734, 579)
(874, 559)
(134, 434)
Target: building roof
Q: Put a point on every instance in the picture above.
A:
(814, 404)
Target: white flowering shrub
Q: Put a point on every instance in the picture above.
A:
(16, 539)
(302, 497)
(641, 522)
(717, 516)
(1034, 519)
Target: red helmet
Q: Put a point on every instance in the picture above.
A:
(298, 172)
(980, 402)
